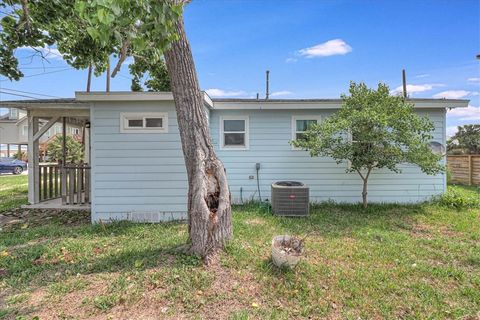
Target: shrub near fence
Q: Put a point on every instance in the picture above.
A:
(464, 169)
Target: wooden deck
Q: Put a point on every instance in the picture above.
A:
(57, 205)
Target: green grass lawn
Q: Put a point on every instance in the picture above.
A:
(390, 261)
(13, 191)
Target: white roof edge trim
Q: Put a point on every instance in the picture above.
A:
(123, 96)
(132, 96)
(298, 105)
(208, 101)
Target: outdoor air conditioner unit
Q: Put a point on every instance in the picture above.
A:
(290, 198)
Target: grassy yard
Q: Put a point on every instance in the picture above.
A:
(389, 261)
(13, 191)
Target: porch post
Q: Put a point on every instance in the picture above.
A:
(33, 173)
(64, 140)
(86, 146)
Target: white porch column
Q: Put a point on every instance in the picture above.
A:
(86, 156)
(33, 173)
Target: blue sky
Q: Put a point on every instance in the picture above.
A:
(313, 49)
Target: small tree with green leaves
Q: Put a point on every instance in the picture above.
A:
(373, 130)
(74, 150)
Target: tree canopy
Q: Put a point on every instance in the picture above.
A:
(466, 140)
(153, 77)
(88, 32)
(73, 152)
(373, 130)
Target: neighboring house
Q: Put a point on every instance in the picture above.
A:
(10, 132)
(14, 132)
(137, 166)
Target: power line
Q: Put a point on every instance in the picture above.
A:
(19, 95)
(57, 67)
(27, 92)
(43, 73)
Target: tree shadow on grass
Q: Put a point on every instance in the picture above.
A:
(30, 268)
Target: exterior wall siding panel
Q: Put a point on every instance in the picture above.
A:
(142, 177)
(136, 176)
(270, 131)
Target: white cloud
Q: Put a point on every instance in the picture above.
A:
(451, 94)
(47, 52)
(473, 79)
(219, 93)
(280, 93)
(424, 75)
(329, 48)
(416, 88)
(291, 60)
(451, 130)
(470, 113)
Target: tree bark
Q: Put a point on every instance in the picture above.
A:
(365, 193)
(209, 210)
(365, 186)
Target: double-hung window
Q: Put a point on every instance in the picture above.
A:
(154, 122)
(300, 124)
(234, 132)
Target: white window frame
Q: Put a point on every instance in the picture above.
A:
(294, 126)
(14, 113)
(25, 130)
(125, 116)
(246, 132)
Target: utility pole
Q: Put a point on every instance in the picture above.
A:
(108, 75)
(404, 81)
(267, 90)
(89, 79)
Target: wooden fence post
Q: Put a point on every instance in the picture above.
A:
(470, 170)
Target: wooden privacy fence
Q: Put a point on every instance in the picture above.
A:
(70, 182)
(464, 169)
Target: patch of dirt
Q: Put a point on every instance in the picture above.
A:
(70, 305)
(24, 218)
(255, 222)
(420, 230)
(240, 289)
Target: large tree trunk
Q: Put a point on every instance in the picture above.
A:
(209, 211)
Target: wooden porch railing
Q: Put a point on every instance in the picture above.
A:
(49, 184)
(75, 184)
(70, 182)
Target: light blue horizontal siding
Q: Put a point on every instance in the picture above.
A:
(142, 177)
(269, 133)
(136, 176)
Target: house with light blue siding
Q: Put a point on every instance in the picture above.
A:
(137, 171)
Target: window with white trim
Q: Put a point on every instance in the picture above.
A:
(234, 132)
(300, 124)
(25, 130)
(13, 113)
(152, 122)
